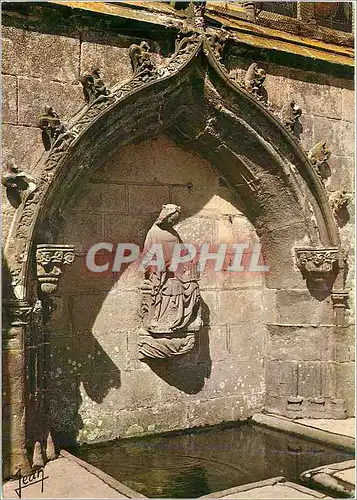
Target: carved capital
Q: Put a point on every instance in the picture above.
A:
(50, 260)
(316, 264)
(18, 312)
(339, 304)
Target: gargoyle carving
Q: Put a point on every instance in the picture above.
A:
(50, 259)
(290, 113)
(17, 183)
(93, 86)
(318, 155)
(141, 61)
(51, 125)
(253, 81)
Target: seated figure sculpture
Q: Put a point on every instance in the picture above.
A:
(171, 303)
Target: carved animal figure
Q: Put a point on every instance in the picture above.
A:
(290, 113)
(93, 86)
(319, 154)
(171, 304)
(51, 125)
(140, 58)
(17, 183)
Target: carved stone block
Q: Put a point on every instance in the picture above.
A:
(316, 263)
(50, 260)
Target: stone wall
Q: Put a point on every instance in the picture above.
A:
(321, 358)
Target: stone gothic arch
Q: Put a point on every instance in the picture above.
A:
(193, 99)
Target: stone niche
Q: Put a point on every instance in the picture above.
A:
(100, 389)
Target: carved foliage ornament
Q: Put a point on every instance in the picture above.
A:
(316, 264)
(50, 260)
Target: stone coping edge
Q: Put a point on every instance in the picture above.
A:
(261, 484)
(282, 424)
(109, 480)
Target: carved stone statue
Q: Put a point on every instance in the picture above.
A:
(17, 183)
(171, 304)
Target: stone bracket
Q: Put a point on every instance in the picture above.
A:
(317, 264)
(50, 260)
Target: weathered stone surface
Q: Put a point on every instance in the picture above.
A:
(128, 229)
(7, 214)
(105, 313)
(278, 246)
(35, 94)
(306, 137)
(281, 377)
(41, 55)
(24, 144)
(345, 385)
(218, 343)
(287, 342)
(81, 279)
(175, 166)
(108, 53)
(210, 412)
(345, 345)
(9, 105)
(247, 343)
(13, 376)
(342, 173)
(309, 377)
(147, 199)
(240, 306)
(338, 134)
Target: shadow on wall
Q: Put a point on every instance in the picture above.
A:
(83, 373)
(86, 367)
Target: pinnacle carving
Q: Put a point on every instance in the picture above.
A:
(290, 114)
(50, 260)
